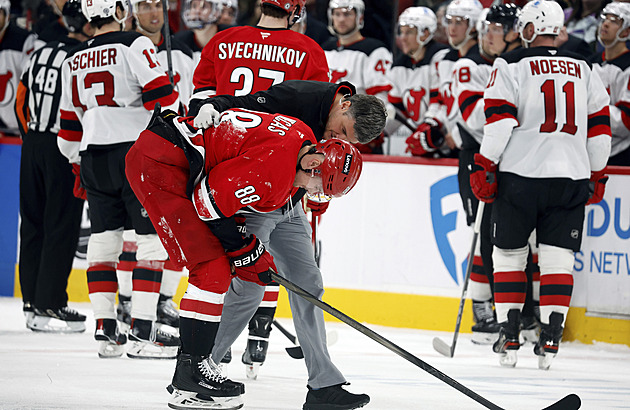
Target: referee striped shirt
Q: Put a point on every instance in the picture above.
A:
(37, 105)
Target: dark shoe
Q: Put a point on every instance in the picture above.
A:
(508, 344)
(201, 375)
(150, 342)
(486, 328)
(257, 344)
(333, 397)
(167, 313)
(123, 310)
(110, 340)
(62, 320)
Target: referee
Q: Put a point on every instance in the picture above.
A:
(50, 213)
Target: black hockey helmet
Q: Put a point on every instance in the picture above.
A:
(504, 14)
(73, 17)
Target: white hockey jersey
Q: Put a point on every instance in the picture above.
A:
(364, 64)
(547, 115)
(15, 49)
(111, 84)
(183, 68)
(469, 78)
(415, 84)
(615, 75)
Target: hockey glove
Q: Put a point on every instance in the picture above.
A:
(597, 186)
(252, 262)
(317, 208)
(483, 179)
(78, 190)
(207, 117)
(427, 138)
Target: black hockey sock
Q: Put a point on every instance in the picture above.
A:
(197, 336)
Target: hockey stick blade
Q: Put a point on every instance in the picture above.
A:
(570, 402)
(293, 351)
(441, 347)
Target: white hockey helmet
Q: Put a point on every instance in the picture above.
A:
(620, 10)
(103, 9)
(5, 5)
(357, 5)
(197, 14)
(422, 18)
(469, 10)
(546, 16)
(481, 25)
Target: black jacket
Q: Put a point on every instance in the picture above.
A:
(308, 101)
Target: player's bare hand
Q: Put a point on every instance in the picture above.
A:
(208, 117)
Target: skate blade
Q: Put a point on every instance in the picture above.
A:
(52, 325)
(508, 359)
(109, 350)
(146, 350)
(481, 338)
(183, 400)
(544, 362)
(251, 370)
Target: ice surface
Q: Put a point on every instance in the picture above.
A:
(44, 371)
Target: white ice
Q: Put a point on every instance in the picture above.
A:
(47, 371)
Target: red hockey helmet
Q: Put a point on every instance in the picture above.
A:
(341, 168)
(286, 5)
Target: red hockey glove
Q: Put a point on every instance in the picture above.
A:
(317, 208)
(597, 186)
(483, 179)
(427, 138)
(78, 190)
(252, 262)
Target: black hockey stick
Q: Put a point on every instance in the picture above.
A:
(439, 344)
(569, 402)
(317, 244)
(167, 43)
(293, 351)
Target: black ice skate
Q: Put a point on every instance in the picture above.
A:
(123, 312)
(486, 329)
(333, 397)
(110, 340)
(149, 342)
(549, 341)
(530, 329)
(198, 384)
(508, 344)
(257, 344)
(167, 313)
(63, 320)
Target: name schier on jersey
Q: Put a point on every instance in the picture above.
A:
(265, 52)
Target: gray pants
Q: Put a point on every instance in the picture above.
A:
(288, 238)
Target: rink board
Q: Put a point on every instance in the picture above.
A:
(394, 253)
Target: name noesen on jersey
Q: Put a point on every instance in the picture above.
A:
(266, 52)
(93, 58)
(552, 66)
(280, 124)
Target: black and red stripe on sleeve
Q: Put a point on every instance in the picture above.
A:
(71, 128)
(467, 102)
(159, 90)
(599, 123)
(497, 110)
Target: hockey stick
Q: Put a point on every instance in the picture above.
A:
(167, 43)
(439, 344)
(293, 351)
(317, 245)
(569, 402)
(400, 117)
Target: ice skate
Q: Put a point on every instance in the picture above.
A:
(29, 313)
(63, 320)
(111, 341)
(549, 341)
(198, 384)
(167, 313)
(508, 344)
(333, 397)
(123, 312)
(486, 329)
(257, 344)
(147, 341)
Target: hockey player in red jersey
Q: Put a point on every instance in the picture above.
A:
(192, 183)
(109, 85)
(613, 66)
(545, 145)
(243, 60)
